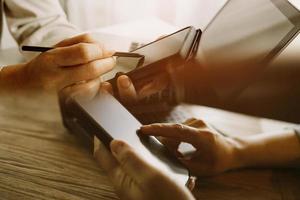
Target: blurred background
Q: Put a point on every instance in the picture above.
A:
(99, 13)
(122, 23)
(95, 14)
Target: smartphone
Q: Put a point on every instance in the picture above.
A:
(169, 51)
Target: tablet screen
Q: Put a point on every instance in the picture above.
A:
(244, 32)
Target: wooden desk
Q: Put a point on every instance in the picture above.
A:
(39, 159)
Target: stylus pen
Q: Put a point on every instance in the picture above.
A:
(43, 49)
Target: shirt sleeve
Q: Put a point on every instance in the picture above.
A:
(33, 22)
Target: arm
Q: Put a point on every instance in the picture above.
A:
(215, 153)
(37, 22)
(73, 60)
(278, 149)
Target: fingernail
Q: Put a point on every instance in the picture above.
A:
(116, 146)
(140, 131)
(145, 127)
(125, 82)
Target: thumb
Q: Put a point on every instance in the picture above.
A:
(132, 163)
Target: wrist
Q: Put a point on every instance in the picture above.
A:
(236, 151)
(266, 150)
(242, 150)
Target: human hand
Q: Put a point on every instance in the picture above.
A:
(184, 81)
(213, 154)
(133, 177)
(130, 93)
(86, 90)
(71, 61)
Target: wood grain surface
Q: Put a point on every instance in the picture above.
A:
(39, 159)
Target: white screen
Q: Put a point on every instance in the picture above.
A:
(243, 32)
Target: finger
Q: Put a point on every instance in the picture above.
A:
(126, 90)
(172, 145)
(197, 165)
(195, 123)
(87, 90)
(173, 131)
(117, 175)
(104, 158)
(88, 71)
(156, 85)
(84, 38)
(77, 54)
(106, 86)
(132, 163)
(189, 121)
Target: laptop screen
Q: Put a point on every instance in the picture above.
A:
(243, 33)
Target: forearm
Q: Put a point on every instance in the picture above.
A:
(278, 149)
(12, 78)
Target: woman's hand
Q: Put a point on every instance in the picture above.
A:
(71, 61)
(133, 177)
(213, 154)
(130, 94)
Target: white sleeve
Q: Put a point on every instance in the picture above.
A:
(37, 22)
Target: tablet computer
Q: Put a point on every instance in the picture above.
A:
(172, 50)
(104, 117)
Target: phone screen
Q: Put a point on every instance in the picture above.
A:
(164, 48)
(153, 52)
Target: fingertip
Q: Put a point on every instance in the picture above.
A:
(149, 129)
(107, 87)
(146, 126)
(117, 146)
(126, 90)
(124, 82)
(103, 157)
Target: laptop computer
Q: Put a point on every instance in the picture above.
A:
(242, 32)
